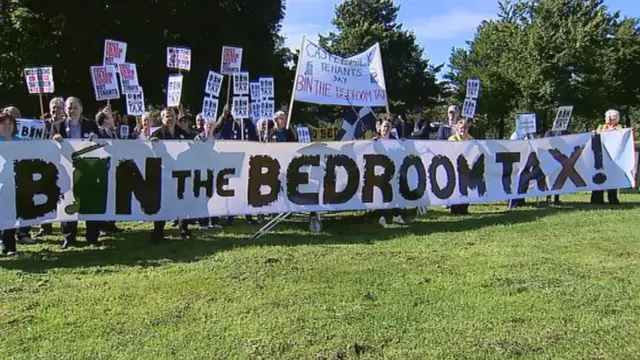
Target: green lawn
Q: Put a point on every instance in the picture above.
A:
(537, 283)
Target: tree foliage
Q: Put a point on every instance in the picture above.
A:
(71, 39)
(541, 54)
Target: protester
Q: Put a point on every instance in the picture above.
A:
(446, 130)
(228, 128)
(385, 134)
(13, 111)
(611, 123)
(9, 132)
(168, 131)
(462, 134)
(422, 127)
(76, 127)
(551, 133)
(280, 133)
(206, 135)
(184, 124)
(143, 130)
(402, 126)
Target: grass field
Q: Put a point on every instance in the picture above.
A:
(536, 283)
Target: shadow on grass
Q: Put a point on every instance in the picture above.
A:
(133, 248)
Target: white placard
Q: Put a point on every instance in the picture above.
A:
(469, 108)
(115, 52)
(240, 109)
(526, 124)
(209, 108)
(256, 112)
(267, 109)
(304, 136)
(105, 84)
(563, 118)
(124, 131)
(259, 178)
(174, 90)
(254, 90)
(179, 58)
(266, 87)
(29, 129)
(129, 78)
(135, 103)
(231, 60)
(325, 78)
(214, 84)
(473, 88)
(39, 80)
(241, 83)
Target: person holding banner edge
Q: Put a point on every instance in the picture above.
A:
(385, 134)
(168, 131)
(462, 134)
(611, 123)
(76, 127)
(207, 134)
(551, 133)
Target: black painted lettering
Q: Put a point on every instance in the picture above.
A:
(258, 178)
(568, 170)
(507, 159)
(181, 177)
(405, 190)
(471, 178)
(147, 189)
(330, 194)
(199, 183)
(295, 178)
(382, 181)
(222, 181)
(442, 192)
(532, 172)
(27, 187)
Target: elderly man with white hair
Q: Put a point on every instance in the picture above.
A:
(611, 123)
(447, 130)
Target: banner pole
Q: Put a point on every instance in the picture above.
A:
(41, 106)
(293, 90)
(228, 89)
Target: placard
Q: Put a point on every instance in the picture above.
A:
(241, 83)
(179, 58)
(469, 108)
(209, 108)
(267, 109)
(473, 88)
(563, 118)
(104, 81)
(231, 60)
(240, 109)
(256, 112)
(115, 52)
(174, 90)
(526, 124)
(254, 89)
(135, 103)
(31, 129)
(266, 87)
(129, 78)
(304, 136)
(39, 80)
(214, 84)
(124, 131)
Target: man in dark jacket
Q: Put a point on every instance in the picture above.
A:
(551, 133)
(168, 131)
(76, 127)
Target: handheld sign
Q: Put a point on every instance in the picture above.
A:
(473, 88)
(128, 78)
(267, 109)
(174, 90)
(469, 108)
(104, 81)
(563, 118)
(135, 103)
(124, 131)
(231, 60)
(214, 83)
(39, 80)
(115, 52)
(526, 124)
(254, 90)
(241, 83)
(240, 108)
(304, 136)
(29, 129)
(209, 108)
(255, 111)
(179, 58)
(266, 87)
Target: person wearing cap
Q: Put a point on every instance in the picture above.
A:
(445, 131)
(551, 133)
(461, 134)
(611, 123)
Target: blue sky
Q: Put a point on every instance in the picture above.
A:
(438, 25)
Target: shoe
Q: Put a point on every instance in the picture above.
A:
(215, 226)
(398, 220)
(95, 244)
(26, 239)
(10, 253)
(252, 222)
(202, 228)
(186, 236)
(43, 232)
(102, 233)
(382, 221)
(67, 244)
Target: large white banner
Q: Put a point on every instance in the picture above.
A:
(325, 78)
(47, 181)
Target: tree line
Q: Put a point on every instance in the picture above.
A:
(535, 56)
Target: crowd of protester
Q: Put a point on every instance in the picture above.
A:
(66, 120)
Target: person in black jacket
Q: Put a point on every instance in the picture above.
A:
(76, 127)
(107, 130)
(551, 133)
(279, 132)
(396, 214)
(169, 131)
